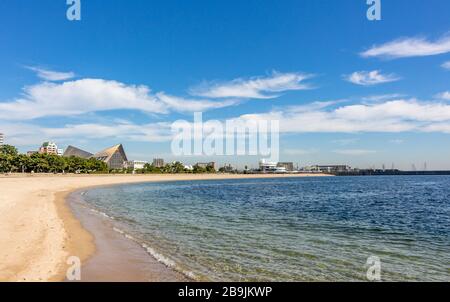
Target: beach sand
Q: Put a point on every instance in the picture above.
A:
(39, 231)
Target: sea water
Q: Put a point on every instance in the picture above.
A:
(291, 229)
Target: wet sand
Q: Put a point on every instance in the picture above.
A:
(116, 258)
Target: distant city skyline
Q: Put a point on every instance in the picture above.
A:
(347, 91)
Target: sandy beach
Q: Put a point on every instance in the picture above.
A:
(39, 231)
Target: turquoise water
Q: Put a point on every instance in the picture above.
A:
(294, 229)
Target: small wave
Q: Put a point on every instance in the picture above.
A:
(118, 231)
(101, 214)
(168, 262)
(159, 257)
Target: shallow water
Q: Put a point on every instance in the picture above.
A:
(293, 229)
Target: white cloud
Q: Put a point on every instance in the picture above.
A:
(438, 127)
(370, 78)
(94, 95)
(151, 132)
(254, 88)
(189, 105)
(22, 134)
(446, 65)
(444, 95)
(354, 152)
(409, 47)
(50, 75)
(78, 97)
(388, 117)
(391, 116)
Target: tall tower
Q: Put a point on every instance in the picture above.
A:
(2, 139)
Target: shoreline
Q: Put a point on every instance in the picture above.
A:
(117, 256)
(41, 230)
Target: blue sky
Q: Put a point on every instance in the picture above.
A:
(345, 89)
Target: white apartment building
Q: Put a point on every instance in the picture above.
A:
(50, 148)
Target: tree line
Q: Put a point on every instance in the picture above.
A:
(175, 168)
(13, 162)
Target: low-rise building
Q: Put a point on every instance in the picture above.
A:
(227, 169)
(114, 157)
(206, 165)
(136, 164)
(330, 168)
(287, 165)
(271, 167)
(74, 151)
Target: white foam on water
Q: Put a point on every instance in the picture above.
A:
(101, 213)
(168, 262)
(159, 257)
(118, 230)
(129, 237)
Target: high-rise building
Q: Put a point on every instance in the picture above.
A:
(158, 162)
(2, 139)
(50, 148)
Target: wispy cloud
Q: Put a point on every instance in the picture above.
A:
(446, 65)
(23, 134)
(190, 105)
(345, 141)
(383, 97)
(409, 47)
(254, 88)
(389, 117)
(370, 78)
(396, 141)
(298, 152)
(354, 152)
(50, 75)
(444, 95)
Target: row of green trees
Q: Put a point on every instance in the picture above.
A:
(12, 161)
(175, 168)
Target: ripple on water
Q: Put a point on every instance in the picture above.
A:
(299, 229)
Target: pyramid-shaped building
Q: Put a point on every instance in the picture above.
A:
(115, 157)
